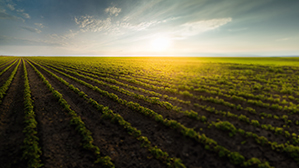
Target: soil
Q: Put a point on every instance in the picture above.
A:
(61, 143)
(7, 73)
(11, 122)
(249, 149)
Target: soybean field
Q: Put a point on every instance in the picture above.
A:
(149, 112)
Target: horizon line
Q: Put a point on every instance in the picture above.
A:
(145, 56)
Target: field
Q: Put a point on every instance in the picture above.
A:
(149, 112)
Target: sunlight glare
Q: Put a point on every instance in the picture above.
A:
(160, 43)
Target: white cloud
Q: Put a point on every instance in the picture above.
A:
(142, 25)
(4, 15)
(195, 28)
(39, 25)
(26, 15)
(89, 23)
(11, 7)
(108, 26)
(34, 30)
(9, 40)
(65, 39)
(138, 26)
(66, 36)
(113, 11)
(20, 10)
(22, 13)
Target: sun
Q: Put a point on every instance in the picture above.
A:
(160, 43)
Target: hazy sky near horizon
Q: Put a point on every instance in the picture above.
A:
(149, 27)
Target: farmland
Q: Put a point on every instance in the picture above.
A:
(149, 112)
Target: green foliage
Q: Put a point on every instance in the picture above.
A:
(237, 89)
(255, 123)
(116, 118)
(31, 149)
(7, 83)
(293, 151)
(76, 120)
(226, 126)
(236, 158)
(158, 153)
(251, 110)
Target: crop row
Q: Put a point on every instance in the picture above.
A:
(215, 80)
(6, 85)
(31, 148)
(192, 114)
(109, 114)
(114, 81)
(230, 90)
(233, 95)
(210, 99)
(235, 157)
(5, 63)
(87, 140)
(222, 125)
(4, 70)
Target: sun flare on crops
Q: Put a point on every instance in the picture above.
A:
(160, 43)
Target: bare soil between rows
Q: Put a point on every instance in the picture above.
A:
(11, 122)
(249, 149)
(61, 143)
(114, 141)
(171, 141)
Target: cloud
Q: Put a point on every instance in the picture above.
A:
(20, 10)
(11, 7)
(66, 36)
(195, 28)
(64, 40)
(33, 30)
(39, 25)
(4, 15)
(23, 14)
(113, 11)
(9, 40)
(89, 23)
(138, 26)
(26, 15)
(142, 25)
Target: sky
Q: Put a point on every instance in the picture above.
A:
(149, 27)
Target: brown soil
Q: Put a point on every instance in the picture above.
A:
(124, 150)
(6, 74)
(249, 149)
(60, 142)
(171, 141)
(11, 122)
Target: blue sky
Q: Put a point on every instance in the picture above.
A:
(150, 27)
